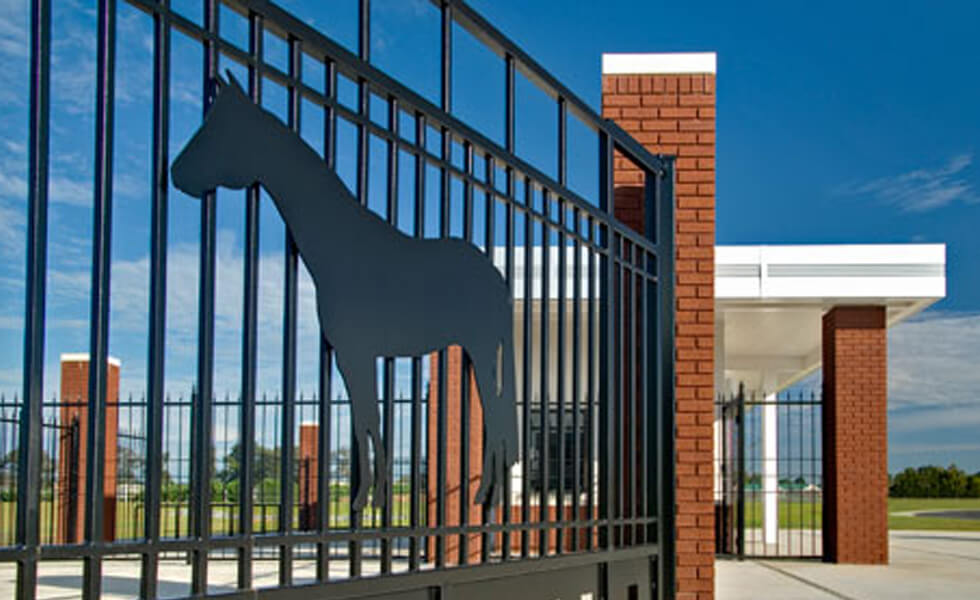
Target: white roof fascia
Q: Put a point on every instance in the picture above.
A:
(659, 63)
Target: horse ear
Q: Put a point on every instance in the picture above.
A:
(234, 82)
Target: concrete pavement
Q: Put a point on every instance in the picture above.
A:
(924, 565)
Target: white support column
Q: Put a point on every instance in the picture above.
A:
(721, 391)
(770, 471)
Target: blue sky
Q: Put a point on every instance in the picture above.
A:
(846, 122)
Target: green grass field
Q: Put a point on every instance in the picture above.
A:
(808, 515)
(899, 505)
(793, 514)
(174, 520)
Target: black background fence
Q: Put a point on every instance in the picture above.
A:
(741, 464)
(594, 485)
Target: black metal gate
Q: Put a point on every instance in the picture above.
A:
(588, 508)
(769, 484)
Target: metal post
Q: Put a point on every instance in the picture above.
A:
(158, 302)
(740, 469)
(99, 336)
(607, 365)
(666, 352)
(31, 414)
(201, 413)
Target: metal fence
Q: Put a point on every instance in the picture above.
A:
(769, 475)
(594, 483)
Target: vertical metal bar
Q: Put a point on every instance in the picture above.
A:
(509, 145)
(489, 220)
(158, 302)
(799, 491)
(246, 518)
(590, 390)
(101, 260)
(416, 416)
(442, 416)
(562, 141)
(30, 434)
(201, 412)
(467, 192)
(415, 456)
(363, 145)
(290, 303)
(650, 395)
(509, 92)
(363, 153)
(560, 371)
(443, 371)
(441, 458)
(816, 463)
(666, 433)
(740, 468)
(446, 12)
(324, 411)
(578, 459)
(527, 368)
(364, 30)
(389, 362)
(512, 285)
(464, 373)
(607, 365)
(392, 193)
(489, 247)
(464, 455)
(324, 449)
(545, 380)
(619, 383)
(634, 475)
(389, 438)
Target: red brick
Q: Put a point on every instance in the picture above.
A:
(621, 100)
(855, 443)
(684, 126)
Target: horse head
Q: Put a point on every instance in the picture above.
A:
(223, 151)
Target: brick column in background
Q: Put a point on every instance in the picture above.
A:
(455, 446)
(855, 435)
(309, 474)
(667, 102)
(73, 448)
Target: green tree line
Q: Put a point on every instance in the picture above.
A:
(934, 482)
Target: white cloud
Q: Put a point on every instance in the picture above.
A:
(13, 29)
(923, 189)
(933, 362)
(934, 410)
(937, 448)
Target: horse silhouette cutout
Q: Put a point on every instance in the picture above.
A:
(378, 291)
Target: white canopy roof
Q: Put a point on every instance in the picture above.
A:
(769, 301)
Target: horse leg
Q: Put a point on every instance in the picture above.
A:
(361, 379)
(494, 442)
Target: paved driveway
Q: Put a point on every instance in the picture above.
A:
(931, 565)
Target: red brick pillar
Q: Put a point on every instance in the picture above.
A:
(309, 474)
(855, 436)
(455, 447)
(73, 448)
(667, 102)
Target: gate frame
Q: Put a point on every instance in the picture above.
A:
(657, 272)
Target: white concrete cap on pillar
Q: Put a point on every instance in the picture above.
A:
(659, 63)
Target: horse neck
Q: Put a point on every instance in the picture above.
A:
(317, 213)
